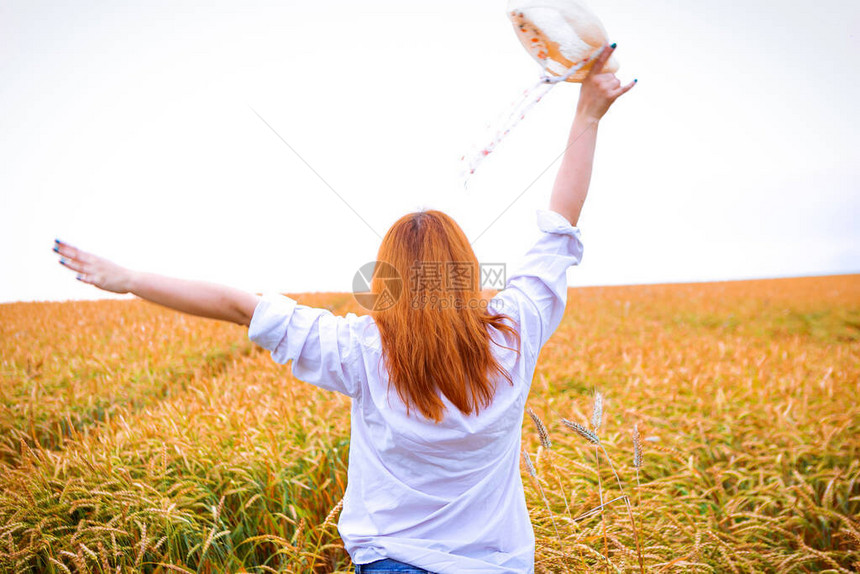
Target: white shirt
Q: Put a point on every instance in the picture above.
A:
(445, 497)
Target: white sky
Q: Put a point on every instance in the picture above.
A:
(129, 131)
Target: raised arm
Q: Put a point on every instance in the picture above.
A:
(193, 297)
(599, 90)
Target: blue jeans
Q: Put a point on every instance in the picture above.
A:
(389, 566)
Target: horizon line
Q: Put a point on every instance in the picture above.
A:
(130, 296)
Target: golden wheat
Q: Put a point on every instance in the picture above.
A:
(122, 426)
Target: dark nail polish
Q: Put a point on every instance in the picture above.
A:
(62, 261)
(56, 250)
(613, 45)
(635, 80)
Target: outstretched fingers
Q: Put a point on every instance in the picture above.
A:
(601, 60)
(73, 258)
(72, 264)
(70, 253)
(623, 90)
(65, 250)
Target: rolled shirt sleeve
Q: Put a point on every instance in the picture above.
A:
(321, 345)
(535, 294)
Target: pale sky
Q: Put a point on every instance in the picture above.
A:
(130, 132)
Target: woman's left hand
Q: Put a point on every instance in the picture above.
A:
(94, 270)
(600, 89)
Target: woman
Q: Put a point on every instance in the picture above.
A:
(438, 377)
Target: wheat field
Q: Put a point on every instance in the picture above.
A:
(709, 427)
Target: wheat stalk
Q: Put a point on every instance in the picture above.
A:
(596, 418)
(629, 510)
(543, 434)
(588, 513)
(546, 443)
(595, 440)
(597, 447)
(329, 521)
(143, 543)
(216, 514)
(533, 473)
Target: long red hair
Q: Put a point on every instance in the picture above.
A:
(436, 333)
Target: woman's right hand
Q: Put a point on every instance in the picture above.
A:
(600, 89)
(92, 269)
(194, 297)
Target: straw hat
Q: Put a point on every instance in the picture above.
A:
(560, 34)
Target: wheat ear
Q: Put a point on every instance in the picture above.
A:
(543, 434)
(596, 418)
(637, 460)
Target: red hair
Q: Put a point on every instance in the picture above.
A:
(436, 333)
